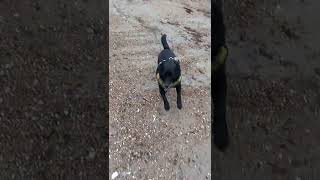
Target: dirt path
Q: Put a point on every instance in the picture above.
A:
(145, 141)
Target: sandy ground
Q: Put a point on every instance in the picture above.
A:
(145, 141)
(273, 91)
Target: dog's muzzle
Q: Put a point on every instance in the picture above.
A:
(162, 84)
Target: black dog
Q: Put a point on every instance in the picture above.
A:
(168, 73)
(218, 76)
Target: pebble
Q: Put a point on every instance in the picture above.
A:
(114, 175)
(267, 147)
(40, 102)
(307, 130)
(41, 127)
(35, 82)
(8, 66)
(42, 27)
(92, 154)
(66, 112)
(6, 89)
(90, 30)
(126, 173)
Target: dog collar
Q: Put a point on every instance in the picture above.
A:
(170, 58)
(220, 58)
(160, 81)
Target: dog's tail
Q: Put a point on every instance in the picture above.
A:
(164, 42)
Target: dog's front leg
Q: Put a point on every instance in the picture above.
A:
(220, 128)
(179, 102)
(165, 101)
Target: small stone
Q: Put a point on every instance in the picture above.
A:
(35, 82)
(114, 175)
(307, 130)
(42, 27)
(40, 102)
(16, 14)
(56, 116)
(66, 112)
(164, 21)
(91, 154)
(260, 164)
(6, 89)
(291, 91)
(89, 58)
(8, 66)
(90, 30)
(27, 114)
(1, 100)
(267, 147)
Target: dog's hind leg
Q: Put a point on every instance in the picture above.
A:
(179, 102)
(165, 100)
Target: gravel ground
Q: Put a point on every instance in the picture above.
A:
(273, 91)
(52, 93)
(273, 95)
(145, 141)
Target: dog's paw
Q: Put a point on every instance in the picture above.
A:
(179, 105)
(167, 107)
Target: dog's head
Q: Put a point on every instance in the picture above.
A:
(169, 73)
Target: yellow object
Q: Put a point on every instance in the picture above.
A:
(221, 58)
(172, 85)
